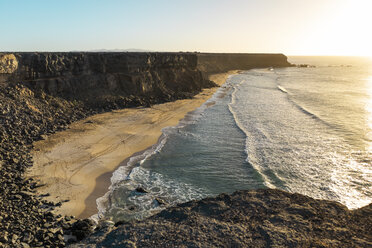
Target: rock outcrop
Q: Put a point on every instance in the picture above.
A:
(258, 218)
(8, 64)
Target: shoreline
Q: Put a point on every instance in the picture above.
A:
(76, 165)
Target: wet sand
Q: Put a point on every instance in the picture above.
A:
(76, 164)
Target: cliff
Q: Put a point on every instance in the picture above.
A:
(124, 79)
(219, 62)
(118, 78)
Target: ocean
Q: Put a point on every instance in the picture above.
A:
(300, 129)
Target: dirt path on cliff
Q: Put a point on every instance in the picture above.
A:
(76, 164)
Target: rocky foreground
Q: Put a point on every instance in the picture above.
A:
(25, 218)
(259, 218)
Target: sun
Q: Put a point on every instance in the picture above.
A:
(343, 30)
(350, 28)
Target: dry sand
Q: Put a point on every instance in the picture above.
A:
(77, 164)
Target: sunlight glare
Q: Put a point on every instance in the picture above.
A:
(344, 31)
(369, 111)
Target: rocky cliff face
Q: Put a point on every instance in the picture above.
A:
(219, 62)
(106, 77)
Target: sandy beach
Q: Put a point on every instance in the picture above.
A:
(76, 164)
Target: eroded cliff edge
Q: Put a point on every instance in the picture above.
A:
(255, 218)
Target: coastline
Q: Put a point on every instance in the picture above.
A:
(76, 164)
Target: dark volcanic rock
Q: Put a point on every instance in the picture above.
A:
(82, 228)
(25, 217)
(260, 218)
(140, 190)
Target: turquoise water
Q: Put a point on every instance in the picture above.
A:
(305, 130)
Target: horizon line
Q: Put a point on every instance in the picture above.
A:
(155, 51)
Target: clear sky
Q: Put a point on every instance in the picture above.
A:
(293, 27)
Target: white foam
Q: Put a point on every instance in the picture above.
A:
(250, 157)
(123, 173)
(301, 151)
(281, 88)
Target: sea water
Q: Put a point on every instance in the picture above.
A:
(305, 130)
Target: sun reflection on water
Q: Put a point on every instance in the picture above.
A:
(368, 107)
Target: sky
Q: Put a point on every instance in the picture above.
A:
(292, 27)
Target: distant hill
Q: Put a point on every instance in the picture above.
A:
(119, 50)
